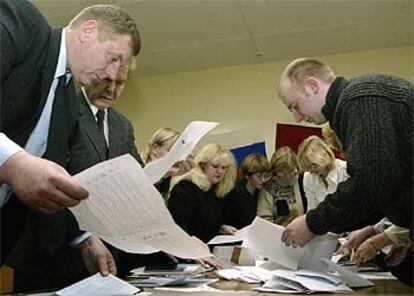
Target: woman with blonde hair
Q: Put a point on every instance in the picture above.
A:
(196, 200)
(158, 146)
(282, 199)
(241, 203)
(323, 172)
(330, 137)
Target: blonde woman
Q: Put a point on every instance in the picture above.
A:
(330, 137)
(281, 199)
(196, 201)
(241, 203)
(323, 172)
(158, 146)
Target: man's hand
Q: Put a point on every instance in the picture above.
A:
(97, 257)
(297, 233)
(41, 184)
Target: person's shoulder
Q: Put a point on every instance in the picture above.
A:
(383, 85)
(186, 184)
(118, 114)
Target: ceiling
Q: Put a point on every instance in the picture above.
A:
(187, 35)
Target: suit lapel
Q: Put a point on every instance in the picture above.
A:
(92, 130)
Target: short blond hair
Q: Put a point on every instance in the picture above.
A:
(159, 139)
(283, 160)
(252, 164)
(298, 71)
(112, 20)
(313, 150)
(212, 153)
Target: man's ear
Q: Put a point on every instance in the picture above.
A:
(312, 85)
(88, 29)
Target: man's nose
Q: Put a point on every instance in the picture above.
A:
(298, 117)
(112, 71)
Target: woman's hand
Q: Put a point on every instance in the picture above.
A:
(227, 229)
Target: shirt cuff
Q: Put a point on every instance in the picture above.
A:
(8, 148)
(80, 239)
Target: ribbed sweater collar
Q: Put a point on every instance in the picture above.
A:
(332, 97)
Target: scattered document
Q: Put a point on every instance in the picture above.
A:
(183, 147)
(153, 282)
(99, 285)
(264, 238)
(351, 279)
(180, 270)
(288, 281)
(126, 210)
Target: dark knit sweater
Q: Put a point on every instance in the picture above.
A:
(373, 117)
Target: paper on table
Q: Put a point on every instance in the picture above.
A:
(182, 148)
(264, 238)
(126, 210)
(290, 279)
(351, 279)
(322, 246)
(99, 285)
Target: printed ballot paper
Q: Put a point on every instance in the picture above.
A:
(126, 210)
(99, 285)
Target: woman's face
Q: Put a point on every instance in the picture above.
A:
(286, 178)
(214, 172)
(257, 180)
(161, 151)
(321, 171)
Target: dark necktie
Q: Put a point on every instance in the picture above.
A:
(57, 145)
(100, 115)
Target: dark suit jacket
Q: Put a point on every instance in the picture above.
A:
(29, 55)
(43, 248)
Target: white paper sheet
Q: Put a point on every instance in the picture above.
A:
(351, 279)
(182, 148)
(125, 209)
(264, 238)
(291, 280)
(99, 285)
(322, 246)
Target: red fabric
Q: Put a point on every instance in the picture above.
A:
(292, 135)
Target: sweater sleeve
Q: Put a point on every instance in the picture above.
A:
(371, 146)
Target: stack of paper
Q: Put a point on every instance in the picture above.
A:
(99, 285)
(288, 281)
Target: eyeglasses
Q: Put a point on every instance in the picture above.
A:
(263, 176)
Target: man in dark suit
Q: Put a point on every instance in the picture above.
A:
(51, 253)
(37, 112)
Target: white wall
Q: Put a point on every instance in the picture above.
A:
(237, 97)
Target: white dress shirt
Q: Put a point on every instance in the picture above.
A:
(37, 142)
